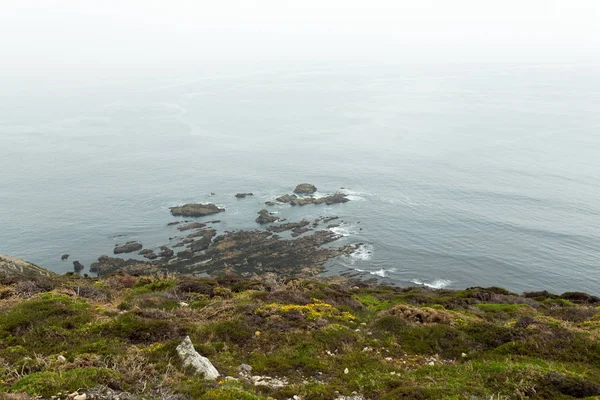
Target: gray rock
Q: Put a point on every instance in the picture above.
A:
(191, 357)
(286, 198)
(196, 210)
(242, 195)
(264, 217)
(64, 257)
(128, 247)
(77, 266)
(244, 369)
(305, 188)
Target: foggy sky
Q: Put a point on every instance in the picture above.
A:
(88, 34)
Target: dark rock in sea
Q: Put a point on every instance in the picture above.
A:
(299, 231)
(329, 200)
(327, 219)
(64, 257)
(196, 210)
(108, 265)
(203, 240)
(261, 253)
(193, 225)
(288, 226)
(202, 234)
(77, 266)
(243, 195)
(174, 223)
(270, 203)
(264, 217)
(216, 221)
(286, 198)
(332, 226)
(166, 252)
(149, 254)
(305, 188)
(128, 247)
(185, 254)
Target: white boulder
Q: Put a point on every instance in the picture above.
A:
(190, 356)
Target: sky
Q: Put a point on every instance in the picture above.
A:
(80, 35)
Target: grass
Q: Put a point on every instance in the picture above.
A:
(324, 338)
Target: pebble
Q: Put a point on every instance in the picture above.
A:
(463, 355)
(346, 371)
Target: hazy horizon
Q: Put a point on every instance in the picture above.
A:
(94, 39)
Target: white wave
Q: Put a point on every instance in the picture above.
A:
(437, 284)
(344, 230)
(354, 195)
(382, 272)
(363, 252)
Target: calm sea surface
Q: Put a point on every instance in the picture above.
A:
(458, 176)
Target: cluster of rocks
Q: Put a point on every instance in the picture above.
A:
(248, 253)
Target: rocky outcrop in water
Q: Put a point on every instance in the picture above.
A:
(64, 257)
(305, 188)
(77, 266)
(196, 210)
(329, 200)
(128, 247)
(149, 254)
(109, 265)
(243, 195)
(286, 198)
(287, 226)
(193, 225)
(264, 217)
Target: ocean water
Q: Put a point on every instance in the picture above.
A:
(458, 176)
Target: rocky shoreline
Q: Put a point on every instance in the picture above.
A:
(249, 253)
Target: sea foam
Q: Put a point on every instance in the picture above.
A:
(437, 284)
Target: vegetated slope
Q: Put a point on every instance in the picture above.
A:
(116, 336)
(16, 266)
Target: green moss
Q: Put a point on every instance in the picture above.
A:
(49, 383)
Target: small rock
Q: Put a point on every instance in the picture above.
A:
(243, 195)
(61, 359)
(463, 355)
(346, 371)
(257, 333)
(244, 369)
(64, 257)
(432, 363)
(72, 395)
(183, 304)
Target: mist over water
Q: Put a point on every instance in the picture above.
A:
(459, 176)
